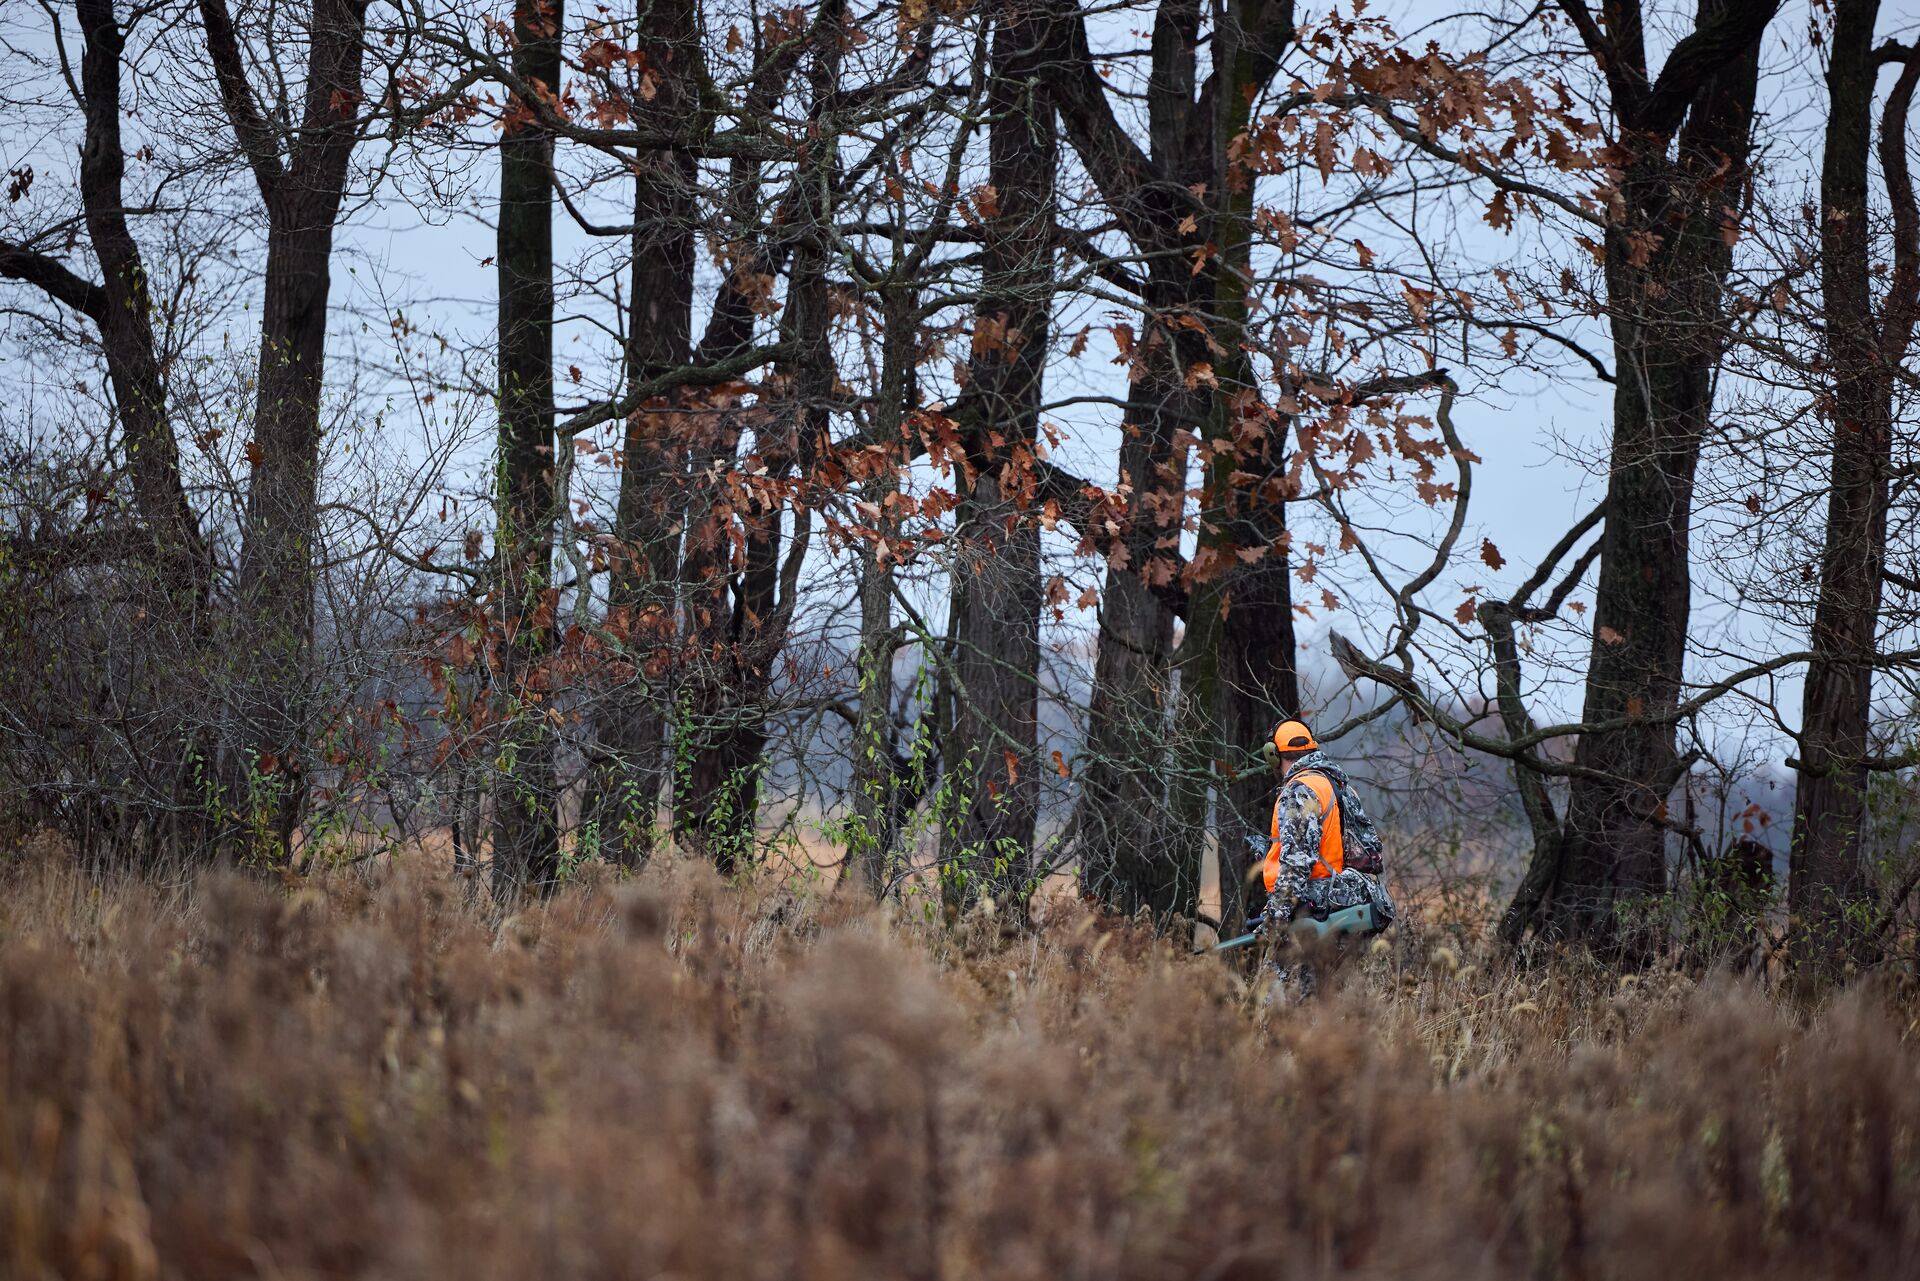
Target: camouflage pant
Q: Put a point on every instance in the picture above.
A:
(1293, 979)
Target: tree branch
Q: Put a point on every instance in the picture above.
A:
(1518, 601)
(1902, 581)
(1625, 77)
(1872, 764)
(250, 127)
(17, 262)
(1123, 172)
(1697, 59)
(1413, 135)
(1891, 51)
(1895, 903)
(1903, 292)
(709, 374)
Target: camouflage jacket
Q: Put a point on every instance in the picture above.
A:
(1296, 828)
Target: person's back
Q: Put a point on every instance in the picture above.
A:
(1324, 853)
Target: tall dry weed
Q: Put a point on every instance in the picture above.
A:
(670, 1077)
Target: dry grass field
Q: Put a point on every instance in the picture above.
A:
(370, 1076)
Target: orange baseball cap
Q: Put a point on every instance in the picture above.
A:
(1293, 736)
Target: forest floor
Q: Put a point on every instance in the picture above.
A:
(372, 1075)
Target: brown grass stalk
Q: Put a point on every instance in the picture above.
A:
(371, 1076)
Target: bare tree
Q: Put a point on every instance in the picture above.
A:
(996, 594)
(121, 308)
(1829, 883)
(1682, 140)
(642, 593)
(526, 841)
(745, 602)
(301, 173)
(1158, 195)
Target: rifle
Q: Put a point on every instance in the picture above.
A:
(1358, 919)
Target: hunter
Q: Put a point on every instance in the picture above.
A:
(1325, 854)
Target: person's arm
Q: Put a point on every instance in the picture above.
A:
(1296, 834)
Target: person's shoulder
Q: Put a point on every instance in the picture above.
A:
(1300, 796)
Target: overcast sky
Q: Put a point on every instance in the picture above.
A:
(1535, 433)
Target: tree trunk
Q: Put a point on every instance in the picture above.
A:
(126, 322)
(526, 844)
(1130, 856)
(994, 625)
(1830, 887)
(990, 757)
(1121, 830)
(878, 769)
(303, 191)
(735, 645)
(625, 785)
(1668, 252)
(870, 855)
(277, 561)
(1140, 843)
(1238, 675)
(1260, 682)
(1543, 822)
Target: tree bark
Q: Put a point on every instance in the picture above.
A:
(526, 844)
(1830, 887)
(996, 596)
(1141, 843)
(125, 319)
(302, 186)
(625, 785)
(1668, 251)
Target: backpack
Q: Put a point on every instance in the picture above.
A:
(1361, 847)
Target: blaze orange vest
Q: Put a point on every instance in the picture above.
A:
(1333, 843)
